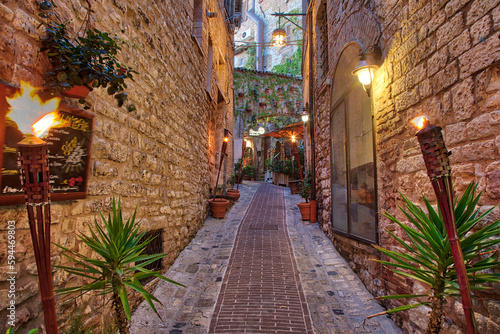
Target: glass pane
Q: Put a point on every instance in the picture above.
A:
(361, 165)
(339, 175)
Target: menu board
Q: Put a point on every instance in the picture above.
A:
(69, 146)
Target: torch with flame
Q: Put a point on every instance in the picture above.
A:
(26, 107)
(30, 113)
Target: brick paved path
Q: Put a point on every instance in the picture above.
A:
(261, 290)
(337, 301)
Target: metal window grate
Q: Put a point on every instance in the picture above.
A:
(154, 247)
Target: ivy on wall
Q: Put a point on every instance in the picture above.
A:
(290, 65)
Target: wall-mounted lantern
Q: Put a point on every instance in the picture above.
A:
(366, 67)
(304, 115)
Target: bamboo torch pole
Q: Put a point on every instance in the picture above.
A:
(437, 162)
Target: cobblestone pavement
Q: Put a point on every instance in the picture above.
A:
(337, 301)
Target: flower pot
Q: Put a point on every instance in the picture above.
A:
(234, 193)
(294, 186)
(305, 210)
(252, 179)
(218, 207)
(77, 92)
(248, 110)
(262, 104)
(246, 178)
(240, 94)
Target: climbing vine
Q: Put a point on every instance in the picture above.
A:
(291, 64)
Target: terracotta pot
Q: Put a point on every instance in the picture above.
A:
(240, 94)
(262, 104)
(248, 110)
(218, 207)
(305, 210)
(252, 179)
(294, 186)
(234, 193)
(246, 177)
(77, 92)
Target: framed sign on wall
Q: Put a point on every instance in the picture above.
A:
(69, 145)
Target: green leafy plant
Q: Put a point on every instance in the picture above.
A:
(11, 331)
(120, 263)
(291, 65)
(427, 256)
(89, 60)
(305, 190)
(277, 166)
(248, 170)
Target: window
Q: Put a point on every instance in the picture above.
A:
(210, 62)
(198, 20)
(322, 41)
(154, 247)
(352, 156)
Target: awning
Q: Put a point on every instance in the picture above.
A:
(296, 129)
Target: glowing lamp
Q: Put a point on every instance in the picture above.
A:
(304, 116)
(364, 70)
(293, 139)
(279, 36)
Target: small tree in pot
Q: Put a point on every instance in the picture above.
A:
(305, 193)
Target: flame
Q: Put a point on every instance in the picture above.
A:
(226, 139)
(27, 107)
(44, 123)
(420, 121)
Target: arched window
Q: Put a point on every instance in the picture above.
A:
(352, 153)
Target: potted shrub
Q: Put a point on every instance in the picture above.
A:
(305, 207)
(88, 61)
(218, 205)
(234, 193)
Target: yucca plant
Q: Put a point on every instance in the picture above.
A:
(120, 265)
(427, 255)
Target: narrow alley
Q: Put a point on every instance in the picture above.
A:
(261, 270)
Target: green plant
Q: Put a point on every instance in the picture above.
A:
(277, 166)
(267, 164)
(290, 65)
(89, 60)
(11, 331)
(305, 190)
(427, 256)
(120, 264)
(248, 170)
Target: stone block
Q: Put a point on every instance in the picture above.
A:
(453, 6)
(449, 30)
(479, 151)
(437, 61)
(493, 179)
(480, 56)
(6, 13)
(445, 78)
(460, 44)
(437, 20)
(495, 14)
(479, 8)
(455, 133)
(480, 127)
(481, 29)
(463, 99)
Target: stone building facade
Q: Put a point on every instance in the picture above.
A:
(161, 158)
(247, 34)
(439, 59)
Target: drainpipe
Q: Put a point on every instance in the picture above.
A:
(260, 35)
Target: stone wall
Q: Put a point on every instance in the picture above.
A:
(439, 58)
(161, 158)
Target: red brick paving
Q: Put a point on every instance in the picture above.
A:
(261, 291)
